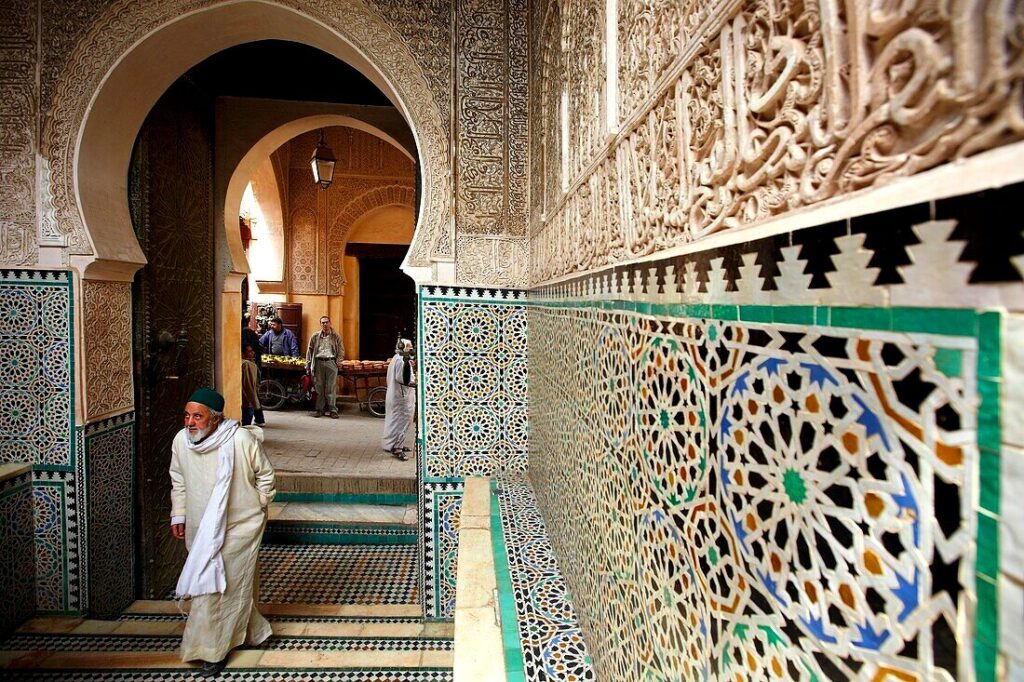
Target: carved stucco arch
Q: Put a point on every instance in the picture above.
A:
(337, 234)
(138, 48)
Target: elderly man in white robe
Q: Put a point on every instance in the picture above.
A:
(400, 401)
(221, 484)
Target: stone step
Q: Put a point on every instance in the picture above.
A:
(296, 509)
(299, 609)
(327, 483)
(156, 625)
(240, 658)
(130, 642)
(240, 674)
(334, 523)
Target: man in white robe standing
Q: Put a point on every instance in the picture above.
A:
(221, 485)
(400, 401)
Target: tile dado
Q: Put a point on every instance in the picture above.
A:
(37, 390)
(17, 565)
(473, 414)
(793, 494)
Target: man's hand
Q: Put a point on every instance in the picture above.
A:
(178, 531)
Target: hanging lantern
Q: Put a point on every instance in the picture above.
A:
(322, 162)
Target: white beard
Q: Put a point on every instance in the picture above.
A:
(197, 436)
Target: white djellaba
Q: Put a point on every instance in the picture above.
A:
(400, 402)
(227, 482)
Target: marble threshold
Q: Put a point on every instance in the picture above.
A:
(330, 512)
(479, 649)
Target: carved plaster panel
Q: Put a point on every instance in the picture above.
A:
(492, 261)
(128, 21)
(18, 101)
(584, 80)
(107, 338)
(779, 106)
(491, 105)
(426, 27)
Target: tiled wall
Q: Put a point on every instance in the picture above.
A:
(17, 561)
(36, 399)
(109, 451)
(793, 449)
(473, 415)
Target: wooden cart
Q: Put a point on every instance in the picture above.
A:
(364, 382)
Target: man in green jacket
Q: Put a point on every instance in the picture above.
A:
(323, 359)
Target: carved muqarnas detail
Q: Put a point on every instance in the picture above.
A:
(789, 104)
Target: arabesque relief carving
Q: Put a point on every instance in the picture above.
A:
(492, 261)
(779, 106)
(18, 100)
(108, 351)
(491, 104)
(127, 21)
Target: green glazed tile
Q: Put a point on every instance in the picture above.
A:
(988, 474)
(988, 550)
(515, 675)
(989, 350)
(725, 312)
(988, 612)
(984, 662)
(700, 310)
(793, 314)
(989, 431)
(953, 321)
(862, 318)
(949, 361)
(675, 310)
(756, 313)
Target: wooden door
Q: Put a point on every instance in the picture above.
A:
(170, 191)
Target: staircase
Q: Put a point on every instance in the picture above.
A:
(340, 611)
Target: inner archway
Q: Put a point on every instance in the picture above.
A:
(233, 130)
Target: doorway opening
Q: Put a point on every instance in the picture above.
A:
(294, 236)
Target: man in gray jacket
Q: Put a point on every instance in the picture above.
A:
(323, 359)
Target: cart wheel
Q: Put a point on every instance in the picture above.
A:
(375, 400)
(272, 394)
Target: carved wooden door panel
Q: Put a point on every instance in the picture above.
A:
(170, 188)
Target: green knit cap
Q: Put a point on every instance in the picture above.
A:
(208, 397)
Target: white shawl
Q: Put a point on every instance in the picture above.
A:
(203, 572)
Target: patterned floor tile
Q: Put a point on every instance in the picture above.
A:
(553, 646)
(39, 642)
(338, 574)
(269, 675)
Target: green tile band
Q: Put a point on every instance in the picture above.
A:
(514, 671)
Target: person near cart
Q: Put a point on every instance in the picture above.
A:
(251, 339)
(280, 341)
(250, 386)
(400, 400)
(323, 360)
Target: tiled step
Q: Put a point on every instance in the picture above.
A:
(302, 508)
(305, 482)
(159, 623)
(305, 674)
(379, 648)
(272, 611)
(332, 523)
